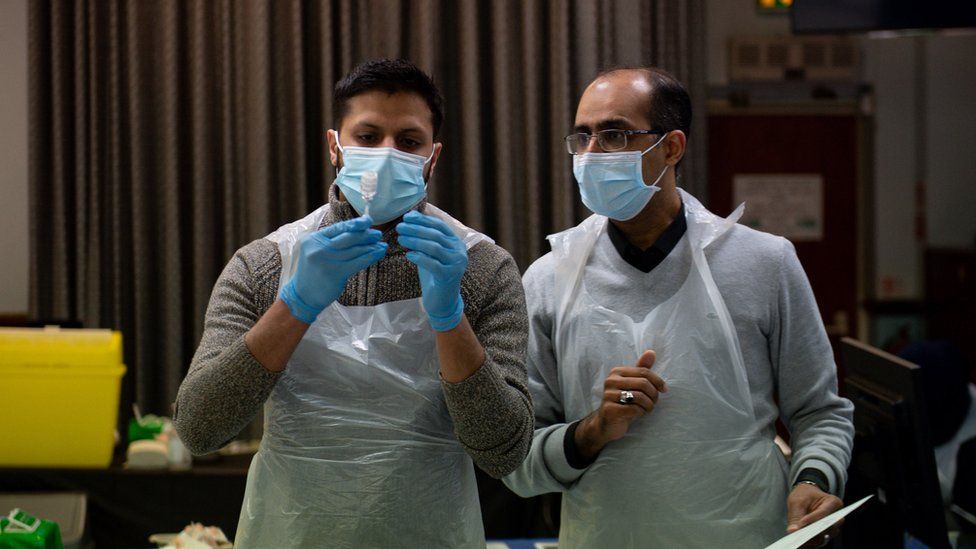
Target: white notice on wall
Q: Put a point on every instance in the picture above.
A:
(789, 205)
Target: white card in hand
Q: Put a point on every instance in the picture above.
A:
(807, 533)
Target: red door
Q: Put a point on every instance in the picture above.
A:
(803, 149)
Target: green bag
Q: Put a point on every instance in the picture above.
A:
(146, 427)
(19, 530)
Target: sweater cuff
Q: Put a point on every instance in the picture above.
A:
(818, 467)
(815, 476)
(554, 454)
(573, 455)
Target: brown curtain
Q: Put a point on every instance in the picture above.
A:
(166, 134)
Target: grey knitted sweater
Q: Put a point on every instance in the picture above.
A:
(491, 410)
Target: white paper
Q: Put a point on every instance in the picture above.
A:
(807, 533)
(788, 205)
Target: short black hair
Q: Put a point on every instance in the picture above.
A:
(390, 76)
(669, 106)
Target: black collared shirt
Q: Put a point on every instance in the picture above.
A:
(646, 260)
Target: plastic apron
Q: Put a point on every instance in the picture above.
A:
(359, 448)
(696, 472)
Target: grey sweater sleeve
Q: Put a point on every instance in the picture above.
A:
(492, 409)
(546, 468)
(226, 386)
(820, 421)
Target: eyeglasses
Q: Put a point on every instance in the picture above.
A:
(609, 140)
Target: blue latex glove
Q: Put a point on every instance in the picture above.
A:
(441, 258)
(326, 260)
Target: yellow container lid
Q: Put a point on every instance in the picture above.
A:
(20, 347)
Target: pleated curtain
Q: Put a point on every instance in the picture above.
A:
(166, 134)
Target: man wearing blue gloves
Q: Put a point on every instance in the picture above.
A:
(385, 340)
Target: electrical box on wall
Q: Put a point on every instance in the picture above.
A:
(790, 58)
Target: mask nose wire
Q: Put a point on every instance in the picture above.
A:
(341, 150)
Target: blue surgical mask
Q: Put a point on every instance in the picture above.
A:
(612, 184)
(400, 181)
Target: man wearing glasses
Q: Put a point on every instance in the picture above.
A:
(664, 344)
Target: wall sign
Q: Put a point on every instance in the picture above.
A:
(788, 205)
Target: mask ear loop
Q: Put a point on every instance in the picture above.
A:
(336, 132)
(658, 180)
(666, 166)
(642, 154)
(429, 158)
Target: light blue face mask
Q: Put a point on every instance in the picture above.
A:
(400, 181)
(612, 184)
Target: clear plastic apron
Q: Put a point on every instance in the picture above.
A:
(696, 472)
(359, 449)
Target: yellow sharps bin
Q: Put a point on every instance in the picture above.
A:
(59, 396)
